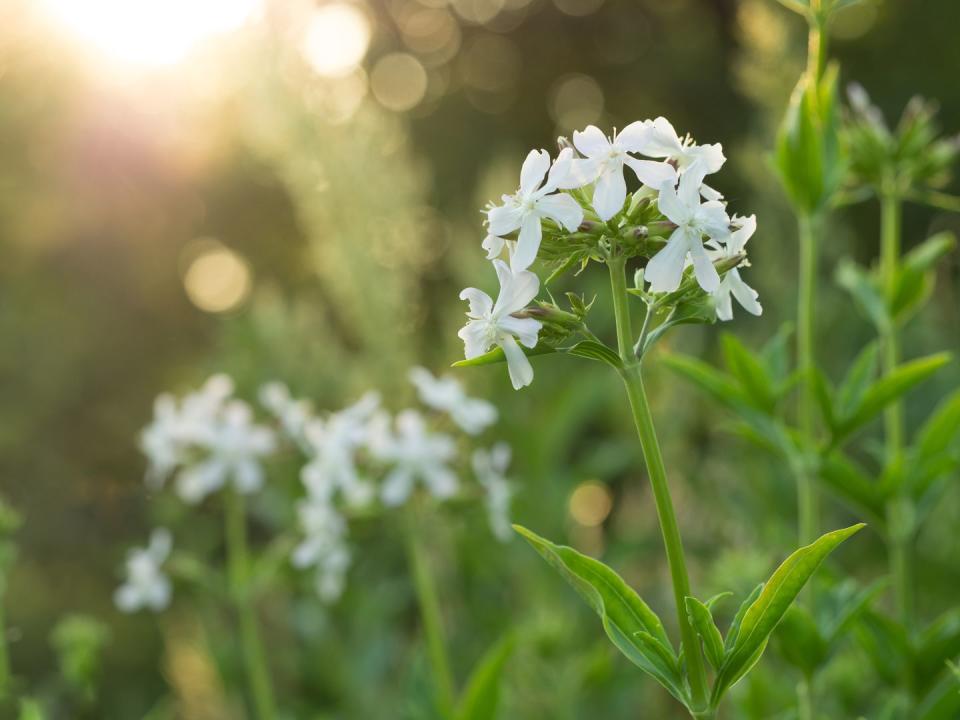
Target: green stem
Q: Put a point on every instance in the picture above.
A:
(430, 617)
(805, 699)
(899, 551)
(238, 568)
(807, 502)
(4, 658)
(661, 491)
(816, 49)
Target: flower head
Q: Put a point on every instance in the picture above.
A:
(693, 219)
(493, 323)
(490, 467)
(323, 547)
(413, 453)
(525, 209)
(146, 585)
(603, 163)
(446, 394)
(663, 141)
(732, 285)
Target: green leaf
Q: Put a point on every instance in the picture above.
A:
(861, 374)
(628, 621)
(30, 709)
(850, 483)
(734, 631)
(702, 620)
(800, 641)
(890, 388)
(942, 702)
(866, 294)
(938, 434)
(886, 643)
(768, 609)
(937, 643)
(823, 393)
(915, 279)
(749, 370)
(712, 602)
(595, 351)
(849, 602)
(481, 696)
(496, 356)
(707, 378)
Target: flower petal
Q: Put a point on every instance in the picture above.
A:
(535, 166)
(504, 219)
(706, 274)
(723, 302)
(663, 140)
(609, 193)
(745, 295)
(634, 137)
(528, 243)
(582, 171)
(481, 304)
(591, 142)
(653, 174)
(525, 329)
(671, 206)
(665, 269)
(738, 238)
(475, 339)
(493, 245)
(558, 172)
(562, 208)
(518, 365)
(516, 290)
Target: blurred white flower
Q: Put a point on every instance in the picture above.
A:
(732, 285)
(233, 447)
(603, 163)
(493, 324)
(490, 467)
(292, 414)
(332, 444)
(146, 584)
(693, 220)
(323, 547)
(413, 453)
(446, 394)
(524, 210)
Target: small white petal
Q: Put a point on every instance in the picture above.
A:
(609, 193)
(528, 243)
(653, 174)
(518, 365)
(481, 304)
(563, 209)
(591, 142)
(703, 268)
(665, 269)
(535, 166)
(634, 137)
(526, 329)
(504, 219)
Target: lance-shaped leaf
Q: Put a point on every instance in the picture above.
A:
(859, 376)
(702, 620)
(720, 385)
(866, 293)
(628, 621)
(482, 694)
(751, 373)
(937, 644)
(888, 389)
(595, 351)
(843, 477)
(915, 279)
(497, 356)
(766, 611)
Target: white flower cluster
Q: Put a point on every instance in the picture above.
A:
(358, 458)
(672, 170)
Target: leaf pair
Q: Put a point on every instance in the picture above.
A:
(638, 633)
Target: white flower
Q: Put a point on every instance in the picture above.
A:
(413, 453)
(490, 467)
(493, 323)
(292, 414)
(146, 585)
(446, 394)
(732, 284)
(693, 220)
(234, 446)
(663, 141)
(603, 163)
(332, 444)
(524, 210)
(323, 547)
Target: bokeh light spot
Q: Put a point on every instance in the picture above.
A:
(575, 101)
(590, 503)
(216, 279)
(398, 81)
(337, 38)
(154, 34)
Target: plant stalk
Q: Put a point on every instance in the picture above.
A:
(427, 600)
(238, 568)
(4, 657)
(808, 510)
(890, 212)
(661, 491)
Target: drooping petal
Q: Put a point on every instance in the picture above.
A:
(665, 269)
(708, 193)
(525, 329)
(481, 304)
(634, 137)
(591, 142)
(653, 174)
(706, 274)
(504, 219)
(562, 208)
(745, 295)
(535, 166)
(582, 171)
(518, 365)
(723, 302)
(476, 340)
(609, 193)
(528, 243)
(493, 245)
(671, 206)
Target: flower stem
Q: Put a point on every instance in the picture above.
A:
(807, 501)
(4, 657)
(661, 491)
(429, 604)
(890, 210)
(238, 568)
(805, 699)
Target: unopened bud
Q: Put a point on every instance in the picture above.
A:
(565, 144)
(589, 226)
(725, 265)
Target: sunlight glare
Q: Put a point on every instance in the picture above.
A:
(337, 38)
(154, 33)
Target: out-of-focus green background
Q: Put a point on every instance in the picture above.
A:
(297, 198)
